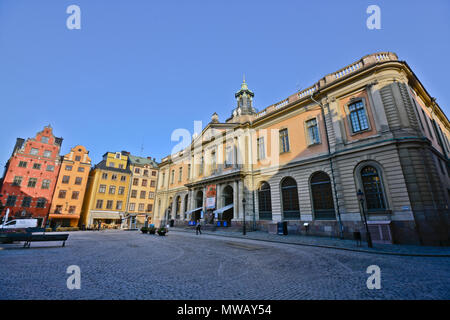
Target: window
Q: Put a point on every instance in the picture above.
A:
(34, 151)
(102, 188)
(289, 193)
(154, 173)
(37, 166)
(144, 182)
(425, 117)
(50, 168)
(146, 173)
(152, 183)
(135, 182)
(172, 177)
(112, 189)
(62, 194)
(284, 140)
(32, 182)
(133, 193)
(163, 178)
(41, 203)
(114, 177)
(72, 209)
(78, 180)
(121, 190)
(373, 189)
(264, 202)
(189, 171)
(58, 209)
(149, 208)
(132, 206)
(141, 206)
(80, 169)
(75, 195)
(119, 205)
(313, 131)
(143, 194)
(213, 163)
(77, 158)
(137, 170)
(117, 155)
(109, 204)
(11, 201)
(180, 174)
(202, 166)
(65, 179)
(68, 168)
(22, 164)
(322, 198)
(45, 184)
(104, 176)
(17, 181)
(151, 195)
(44, 139)
(111, 164)
(123, 178)
(47, 153)
(261, 148)
(120, 166)
(358, 118)
(99, 204)
(26, 202)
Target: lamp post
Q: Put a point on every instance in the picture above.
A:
(360, 195)
(244, 232)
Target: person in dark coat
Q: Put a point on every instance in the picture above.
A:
(198, 228)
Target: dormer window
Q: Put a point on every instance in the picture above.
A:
(117, 155)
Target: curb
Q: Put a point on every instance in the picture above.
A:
(329, 247)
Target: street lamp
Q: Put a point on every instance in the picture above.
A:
(243, 227)
(360, 195)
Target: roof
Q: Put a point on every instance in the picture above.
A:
(135, 160)
(102, 165)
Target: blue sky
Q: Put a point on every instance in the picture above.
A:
(137, 70)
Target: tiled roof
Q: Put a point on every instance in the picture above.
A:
(135, 160)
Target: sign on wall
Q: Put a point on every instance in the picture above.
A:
(211, 196)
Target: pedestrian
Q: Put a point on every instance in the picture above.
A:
(198, 229)
(99, 225)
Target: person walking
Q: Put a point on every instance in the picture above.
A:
(198, 228)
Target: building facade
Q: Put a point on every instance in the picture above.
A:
(30, 176)
(105, 201)
(142, 189)
(65, 208)
(366, 140)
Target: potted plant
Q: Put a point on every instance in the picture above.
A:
(162, 231)
(144, 229)
(152, 230)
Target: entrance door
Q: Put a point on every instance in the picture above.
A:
(228, 199)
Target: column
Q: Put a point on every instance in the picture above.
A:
(241, 196)
(235, 201)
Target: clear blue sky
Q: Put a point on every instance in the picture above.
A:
(137, 70)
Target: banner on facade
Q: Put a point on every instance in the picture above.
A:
(211, 196)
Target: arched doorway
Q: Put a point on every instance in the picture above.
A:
(228, 199)
(322, 196)
(289, 194)
(199, 204)
(264, 202)
(178, 208)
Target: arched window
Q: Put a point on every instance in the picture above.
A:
(265, 202)
(373, 189)
(178, 208)
(322, 197)
(289, 193)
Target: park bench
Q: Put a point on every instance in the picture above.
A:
(28, 237)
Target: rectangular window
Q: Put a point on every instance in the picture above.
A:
(114, 177)
(172, 177)
(121, 190)
(135, 182)
(109, 204)
(65, 179)
(146, 173)
(163, 179)
(202, 166)
(213, 161)
(229, 157)
(50, 168)
(62, 194)
(123, 178)
(47, 153)
(180, 174)
(313, 132)
(137, 170)
(151, 195)
(77, 158)
(133, 193)
(358, 117)
(132, 206)
(112, 189)
(149, 208)
(144, 182)
(34, 151)
(261, 148)
(58, 209)
(102, 188)
(75, 195)
(119, 205)
(99, 204)
(111, 164)
(26, 202)
(22, 164)
(11, 201)
(68, 168)
(284, 140)
(141, 207)
(425, 117)
(120, 166)
(78, 180)
(37, 166)
(152, 183)
(143, 194)
(104, 176)
(32, 182)
(154, 173)
(41, 203)
(17, 181)
(80, 169)
(189, 171)
(45, 184)
(44, 139)
(72, 209)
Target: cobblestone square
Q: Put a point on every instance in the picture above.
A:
(181, 265)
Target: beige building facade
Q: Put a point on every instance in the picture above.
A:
(366, 140)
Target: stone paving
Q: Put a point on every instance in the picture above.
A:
(132, 265)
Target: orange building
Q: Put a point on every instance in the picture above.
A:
(70, 188)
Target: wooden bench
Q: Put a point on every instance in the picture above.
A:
(28, 237)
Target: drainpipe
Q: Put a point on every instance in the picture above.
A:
(341, 235)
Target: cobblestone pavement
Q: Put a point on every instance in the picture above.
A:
(132, 265)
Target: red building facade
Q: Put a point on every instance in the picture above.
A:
(30, 176)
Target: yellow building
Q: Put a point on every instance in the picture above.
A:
(106, 197)
(142, 190)
(70, 188)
